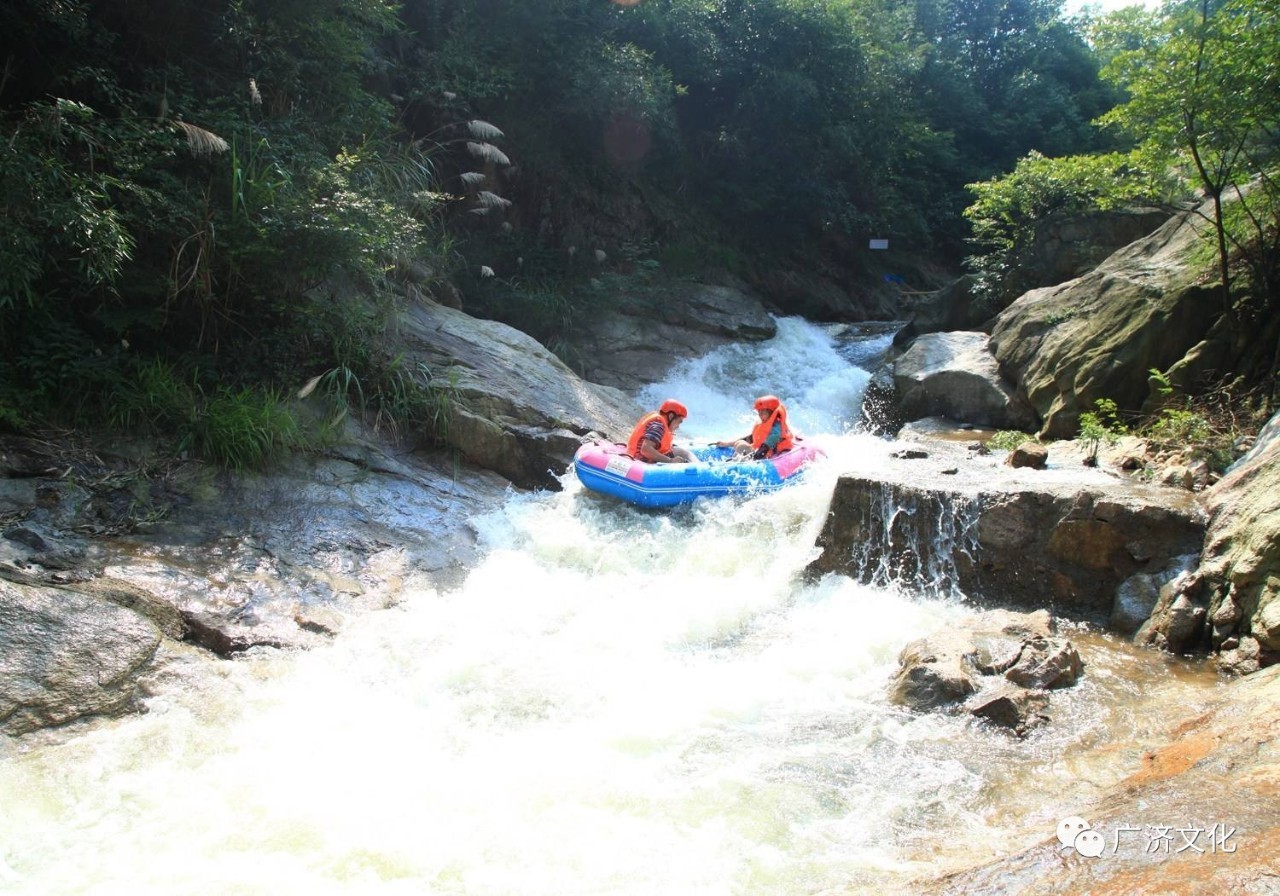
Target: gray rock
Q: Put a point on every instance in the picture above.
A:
(1240, 565)
(997, 666)
(65, 656)
(932, 674)
(1048, 542)
(1138, 595)
(1094, 337)
(1045, 663)
(956, 376)
(638, 338)
(1009, 706)
(517, 409)
(1029, 454)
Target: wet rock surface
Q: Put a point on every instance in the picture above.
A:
(999, 666)
(950, 518)
(1198, 816)
(229, 563)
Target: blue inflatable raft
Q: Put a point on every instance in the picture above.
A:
(605, 467)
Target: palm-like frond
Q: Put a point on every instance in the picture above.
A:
(202, 142)
(482, 130)
(492, 200)
(489, 153)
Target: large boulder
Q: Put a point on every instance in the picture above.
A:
(948, 520)
(65, 656)
(1066, 245)
(955, 375)
(517, 409)
(279, 558)
(635, 338)
(1146, 307)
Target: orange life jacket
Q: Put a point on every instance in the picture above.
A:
(764, 427)
(637, 435)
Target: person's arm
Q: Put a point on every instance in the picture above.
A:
(649, 451)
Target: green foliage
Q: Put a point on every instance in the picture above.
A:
(540, 308)
(175, 208)
(1008, 439)
(1008, 209)
(1099, 427)
(1175, 426)
(402, 394)
(238, 428)
(242, 428)
(1061, 315)
(59, 218)
(1209, 426)
(210, 207)
(1202, 99)
(155, 397)
(616, 80)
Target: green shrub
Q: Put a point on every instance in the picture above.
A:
(1008, 439)
(399, 394)
(242, 428)
(1006, 210)
(1100, 427)
(1175, 427)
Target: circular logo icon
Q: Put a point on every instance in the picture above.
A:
(1090, 843)
(1071, 828)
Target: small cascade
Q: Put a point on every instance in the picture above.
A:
(918, 540)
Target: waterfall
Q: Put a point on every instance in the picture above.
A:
(914, 539)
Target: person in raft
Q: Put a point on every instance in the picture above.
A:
(651, 439)
(770, 436)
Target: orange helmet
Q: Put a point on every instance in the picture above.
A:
(671, 406)
(767, 403)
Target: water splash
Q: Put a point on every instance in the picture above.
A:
(615, 701)
(916, 539)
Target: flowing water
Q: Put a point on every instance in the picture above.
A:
(615, 702)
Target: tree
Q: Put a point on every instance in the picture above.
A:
(1204, 96)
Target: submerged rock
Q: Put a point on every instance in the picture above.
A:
(998, 666)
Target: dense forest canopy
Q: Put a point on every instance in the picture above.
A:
(185, 181)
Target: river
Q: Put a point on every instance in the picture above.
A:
(615, 701)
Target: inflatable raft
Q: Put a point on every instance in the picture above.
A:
(605, 467)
